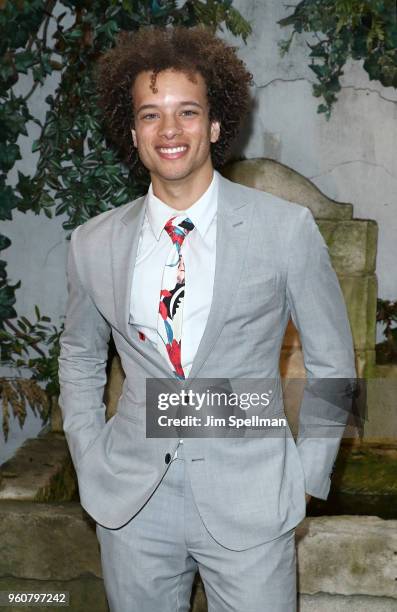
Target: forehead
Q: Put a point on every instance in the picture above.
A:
(168, 84)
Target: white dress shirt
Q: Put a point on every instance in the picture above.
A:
(199, 254)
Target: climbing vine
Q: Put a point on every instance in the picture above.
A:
(342, 29)
(77, 174)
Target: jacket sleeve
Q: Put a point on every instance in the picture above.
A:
(319, 313)
(82, 362)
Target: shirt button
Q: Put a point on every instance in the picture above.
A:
(167, 458)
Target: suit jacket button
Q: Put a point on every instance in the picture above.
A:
(167, 458)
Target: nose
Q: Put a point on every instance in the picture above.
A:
(170, 127)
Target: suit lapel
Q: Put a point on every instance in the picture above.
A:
(125, 240)
(233, 220)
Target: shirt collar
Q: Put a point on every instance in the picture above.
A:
(201, 213)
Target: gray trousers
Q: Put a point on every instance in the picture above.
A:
(149, 564)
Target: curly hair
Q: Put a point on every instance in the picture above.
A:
(189, 50)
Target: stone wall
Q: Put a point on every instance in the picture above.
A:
(48, 543)
(344, 563)
(352, 245)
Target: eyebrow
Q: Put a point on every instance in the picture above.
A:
(184, 103)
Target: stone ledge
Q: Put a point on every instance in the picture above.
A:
(366, 468)
(352, 245)
(386, 371)
(338, 555)
(40, 470)
(337, 603)
(348, 555)
(365, 363)
(381, 419)
(322, 602)
(360, 293)
(283, 182)
(47, 541)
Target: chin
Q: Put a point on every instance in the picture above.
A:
(173, 175)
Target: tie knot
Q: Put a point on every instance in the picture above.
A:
(178, 231)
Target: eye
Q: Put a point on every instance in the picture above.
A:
(149, 116)
(189, 113)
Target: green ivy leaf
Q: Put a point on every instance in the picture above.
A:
(24, 60)
(7, 300)
(4, 242)
(8, 200)
(9, 153)
(3, 270)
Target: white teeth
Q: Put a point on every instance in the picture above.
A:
(172, 149)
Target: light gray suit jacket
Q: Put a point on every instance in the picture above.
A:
(271, 263)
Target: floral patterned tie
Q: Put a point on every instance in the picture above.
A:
(169, 326)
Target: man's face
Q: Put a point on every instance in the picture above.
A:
(172, 128)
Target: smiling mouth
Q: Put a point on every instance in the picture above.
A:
(172, 152)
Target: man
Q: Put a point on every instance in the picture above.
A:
(226, 506)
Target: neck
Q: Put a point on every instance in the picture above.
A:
(181, 194)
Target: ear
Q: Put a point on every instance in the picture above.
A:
(133, 133)
(215, 131)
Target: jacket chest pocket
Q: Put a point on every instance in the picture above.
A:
(258, 290)
(256, 309)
